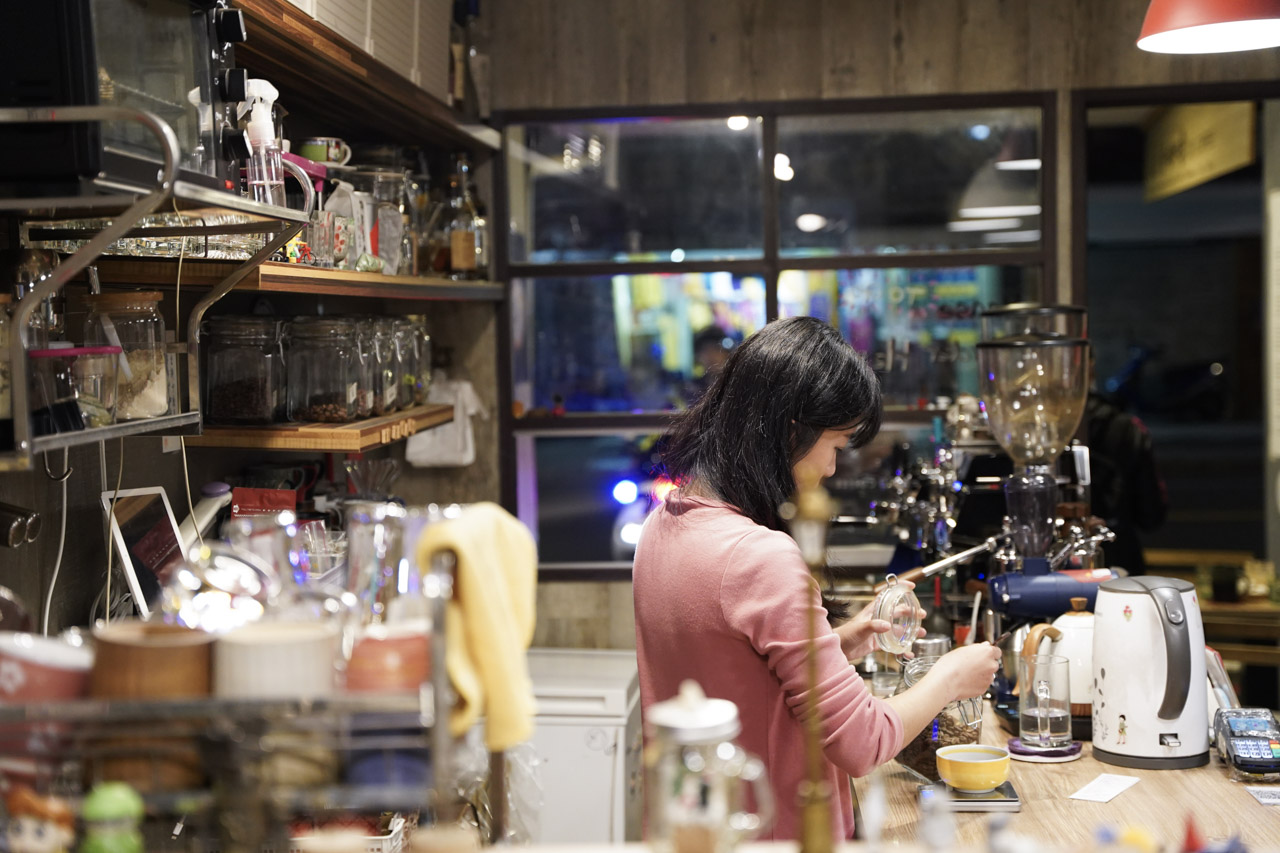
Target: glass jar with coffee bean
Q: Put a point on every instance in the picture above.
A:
(367, 370)
(245, 379)
(391, 335)
(957, 723)
(323, 370)
(380, 336)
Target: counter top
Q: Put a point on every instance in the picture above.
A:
(1160, 803)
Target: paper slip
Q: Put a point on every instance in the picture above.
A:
(1266, 796)
(1105, 788)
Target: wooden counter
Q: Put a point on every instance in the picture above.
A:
(1160, 803)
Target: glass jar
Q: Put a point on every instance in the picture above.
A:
(72, 388)
(132, 322)
(958, 722)
(245, 377)
(386, 394)
(407, 345)
(322, 369)
(698, 777)
(366, 369)
(423, 385)
(391, 337)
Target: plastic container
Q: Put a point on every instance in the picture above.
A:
(245, 375)
(132, 322)
(72, 388)
(957, 723)
(322, 369)
(898, 606)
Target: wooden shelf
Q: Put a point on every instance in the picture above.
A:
(274, 277)
(358, 96)
(354, 437)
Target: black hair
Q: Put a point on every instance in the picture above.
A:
(777, 393)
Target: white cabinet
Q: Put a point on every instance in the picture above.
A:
(587, 734)
(409, 36)
(347, 18)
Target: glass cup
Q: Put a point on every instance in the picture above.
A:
(319, 238)
(1044, 701)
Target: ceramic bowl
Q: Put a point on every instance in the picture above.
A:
(973, 768)
(36, 669)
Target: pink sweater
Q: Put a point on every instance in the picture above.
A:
(724, 601)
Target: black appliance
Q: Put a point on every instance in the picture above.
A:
(173, 58)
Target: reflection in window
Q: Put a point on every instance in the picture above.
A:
(937, 181)
(639, 343)
(652, 189)
(917, 326)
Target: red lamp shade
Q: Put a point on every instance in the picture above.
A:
(1210, 26)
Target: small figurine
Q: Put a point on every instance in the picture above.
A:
(111, 813)
(38, 824)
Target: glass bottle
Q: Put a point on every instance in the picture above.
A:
(322, 370)
(245, 376)
(132, 322)
(463, 257)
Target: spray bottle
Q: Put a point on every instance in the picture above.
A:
(266, 174)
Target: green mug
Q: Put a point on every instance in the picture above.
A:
(326, 149)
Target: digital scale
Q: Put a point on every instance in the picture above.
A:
(1248, 738)
(1003, 799)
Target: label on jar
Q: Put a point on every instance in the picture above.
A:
(351, 394)
(389, 396)
(462, 249)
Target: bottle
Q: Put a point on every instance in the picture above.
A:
(482, 235)
(266, 172)
(462, 227)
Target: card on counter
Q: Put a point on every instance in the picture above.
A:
(1105, 788)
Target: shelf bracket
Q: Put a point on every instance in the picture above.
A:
(287, 233)
(87, 253)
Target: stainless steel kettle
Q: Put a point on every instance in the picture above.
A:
(1149, 707)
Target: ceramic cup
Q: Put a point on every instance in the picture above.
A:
(276, 660)
(39, 669)
(326, 149)
(148, 660)
(391, 658)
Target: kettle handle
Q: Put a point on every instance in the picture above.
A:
(1177, 643)
(1031, 645)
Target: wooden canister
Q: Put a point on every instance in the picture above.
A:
(139, 661)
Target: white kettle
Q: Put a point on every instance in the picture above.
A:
(1074, 641)
(1149, 674)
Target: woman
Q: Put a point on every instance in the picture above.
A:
(722, 595)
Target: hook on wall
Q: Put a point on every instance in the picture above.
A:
(57, 478)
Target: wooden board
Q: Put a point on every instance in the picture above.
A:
(1159, 803)
(296, 278)
(336, 438)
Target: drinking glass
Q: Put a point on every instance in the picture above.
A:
(1044, 701)
(320, 238)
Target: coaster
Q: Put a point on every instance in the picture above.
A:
(1019, 752)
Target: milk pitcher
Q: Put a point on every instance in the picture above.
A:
(698, 777)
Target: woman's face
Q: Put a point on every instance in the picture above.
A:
(820, 461)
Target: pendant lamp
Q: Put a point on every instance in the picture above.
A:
(1210, 26)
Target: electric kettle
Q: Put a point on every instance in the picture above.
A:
(1149, 677)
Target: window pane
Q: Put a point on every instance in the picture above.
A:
(918, 326)
(935, 181)
(635, 190)
(592, 494)
(625, 343)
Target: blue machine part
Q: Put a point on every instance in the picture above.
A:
(1040, 596)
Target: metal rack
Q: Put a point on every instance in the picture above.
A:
(243, 806)
(127, 206)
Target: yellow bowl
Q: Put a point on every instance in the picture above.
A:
(973, 768)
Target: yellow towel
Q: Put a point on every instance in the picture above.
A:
(489, 620)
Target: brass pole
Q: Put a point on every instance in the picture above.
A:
(810, 516)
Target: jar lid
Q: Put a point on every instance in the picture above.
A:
(691, 718)
(318, 327)
(122, 299)
(898, 606)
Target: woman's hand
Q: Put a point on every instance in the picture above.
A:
(968, 670)
(857, 636)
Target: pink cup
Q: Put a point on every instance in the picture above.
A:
(42, 669)
(389, 660)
